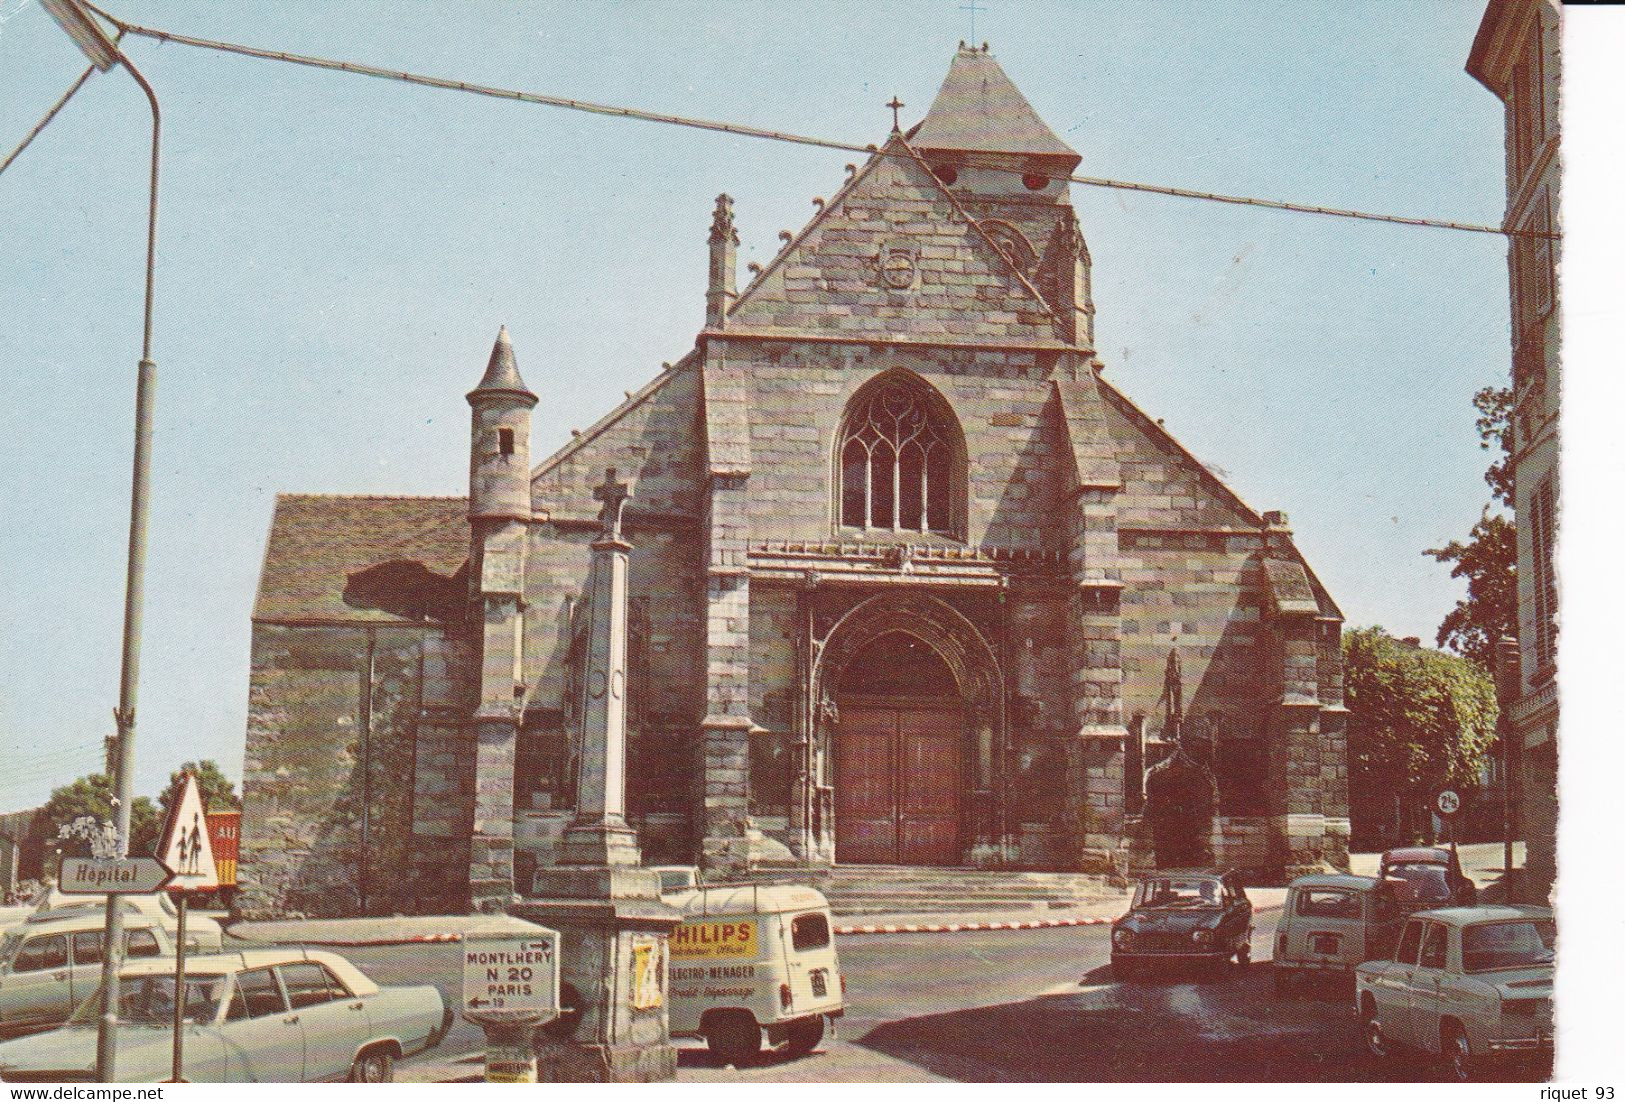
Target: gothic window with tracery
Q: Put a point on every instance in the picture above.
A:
(898, 460)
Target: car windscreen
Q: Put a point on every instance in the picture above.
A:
(1492, 945)
(8, 943)
(1177, 892)
(150, 1000)
(675, 880)
(1419, 883)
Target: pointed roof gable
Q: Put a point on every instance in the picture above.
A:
(830, 263)
(979, 110)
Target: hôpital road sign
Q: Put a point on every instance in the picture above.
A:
(511, 975)
(114, 876)
(1449, 802)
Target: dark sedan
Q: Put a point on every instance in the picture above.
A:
(1184, 916)
(1427, 876)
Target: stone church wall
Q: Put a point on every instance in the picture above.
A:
(799, 395)
(653, 439)
(773, 697)
(312, 757)
(1039, 814)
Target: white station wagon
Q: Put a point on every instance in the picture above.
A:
(1464, 982)
(49, 965)
(265, 1016)
(203, 934)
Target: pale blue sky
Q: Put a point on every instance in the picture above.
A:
(336, 254)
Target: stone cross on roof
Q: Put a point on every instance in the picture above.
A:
(613, 494)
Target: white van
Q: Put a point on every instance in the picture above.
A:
(754, 959)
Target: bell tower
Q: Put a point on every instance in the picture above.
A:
(1004, 164)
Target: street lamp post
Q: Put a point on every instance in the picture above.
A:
(104, 54)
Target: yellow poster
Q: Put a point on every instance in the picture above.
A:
(648, 975)
(715, 940)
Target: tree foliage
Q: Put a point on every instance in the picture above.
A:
(1419, 720)
(93, 796)
(1488, 558)
(1494, 405)
(218, 793)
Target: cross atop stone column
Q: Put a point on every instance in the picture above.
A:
(613, 494)
(600, 835)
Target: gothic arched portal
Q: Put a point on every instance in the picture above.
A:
(910, 711)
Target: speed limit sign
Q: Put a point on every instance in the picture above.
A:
(1449, 802)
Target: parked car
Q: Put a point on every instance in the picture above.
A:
(1466, 983)
(266, 1016)
(751, 960)
(203, 934)
(1330, 923)
(1427, 877)
(1185, 916)
(49, 965)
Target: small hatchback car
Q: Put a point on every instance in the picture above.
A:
(1467, 983)
(1184, 916)
(1331, 923)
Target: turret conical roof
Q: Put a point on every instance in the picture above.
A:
(979, 110)
(502, 373)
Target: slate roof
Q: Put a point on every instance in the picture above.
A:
(502, 371)
(1289, 588)
(341, 559)
(978, 109)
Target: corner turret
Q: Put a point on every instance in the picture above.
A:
(499, 462)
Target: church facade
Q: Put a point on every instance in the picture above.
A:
(912, 583)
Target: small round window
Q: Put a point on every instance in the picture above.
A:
(1035, 181)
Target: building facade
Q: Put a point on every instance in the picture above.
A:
(908, 579)
(1517, 55)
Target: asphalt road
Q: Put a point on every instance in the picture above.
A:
(1025, 1005)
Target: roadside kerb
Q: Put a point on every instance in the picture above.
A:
(844, 930)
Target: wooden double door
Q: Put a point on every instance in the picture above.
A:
(899, 783)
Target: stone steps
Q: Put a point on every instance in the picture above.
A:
(884, 889)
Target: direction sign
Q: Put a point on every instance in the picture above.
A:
(113, 876)
(1449, 802)
(185, 845)
(511, 976)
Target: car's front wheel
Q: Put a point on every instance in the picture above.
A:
(1376, 1042)
(376, 1065)
(1458, 1054)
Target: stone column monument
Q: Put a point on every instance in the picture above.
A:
(604, 904)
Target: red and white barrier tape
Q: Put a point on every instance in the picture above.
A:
(957, 927)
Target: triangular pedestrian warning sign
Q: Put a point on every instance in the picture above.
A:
(185, 844)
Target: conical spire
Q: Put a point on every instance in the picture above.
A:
(502, 373)
(979, 110)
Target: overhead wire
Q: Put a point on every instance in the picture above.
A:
(52, 113)
(742, 130)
